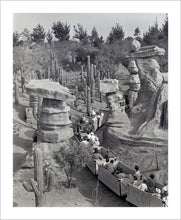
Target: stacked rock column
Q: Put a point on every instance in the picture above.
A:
(134, 83)
(54, 121)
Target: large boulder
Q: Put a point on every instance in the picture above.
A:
(135, 45)
(108, 85)
(149, 72)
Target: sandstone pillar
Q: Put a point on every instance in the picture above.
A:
(54, 119)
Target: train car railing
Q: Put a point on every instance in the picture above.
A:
(109, 180)
(141, 198)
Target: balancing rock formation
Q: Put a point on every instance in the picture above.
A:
(54, 118)
(116, 103)
(148, 110)
(141, 136)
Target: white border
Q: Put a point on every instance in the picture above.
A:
(7, 10)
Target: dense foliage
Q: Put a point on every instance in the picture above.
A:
(72, 53)
(72, 158)
(38, 34)
(61, 31)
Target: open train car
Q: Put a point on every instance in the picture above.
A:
(94, 165)
(119, 186)
(141, 198)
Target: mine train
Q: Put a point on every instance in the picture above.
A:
(122, 187)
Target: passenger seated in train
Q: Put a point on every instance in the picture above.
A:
(101, 162)
(88, 136)
(93, 122)
(151, 184)
(143, 185)
(137, 171)
(92, 138)
(93, 112)
(165, 188)
(164, 197)
(119, 173)
(83, 120)
(139, 180)
(99, 116)
(111, 166)
(135, 181)
(97, 144)
(157, 193)
(84, 142)
(97, 155)
(164, 194)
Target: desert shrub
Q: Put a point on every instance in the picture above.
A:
(71, 158)
(30, 59)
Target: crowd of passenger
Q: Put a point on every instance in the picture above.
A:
(89, 124)
(103, 157)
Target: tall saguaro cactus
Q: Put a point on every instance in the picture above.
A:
(88, 100)
(16, 93)
(92, 90)
(40, 184)
(22, 80)
(38, 177)
(82, 73)
(95, 71)
(88, 70)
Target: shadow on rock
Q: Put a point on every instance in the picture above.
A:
(20, 109)
(29, 133)
(18, 160)
(22, 142)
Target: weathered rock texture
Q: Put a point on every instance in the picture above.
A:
(108, 85)
(142, 138)
(148, 92)
(135, 46)
(49, 89)
(54, 118)
(147, 51)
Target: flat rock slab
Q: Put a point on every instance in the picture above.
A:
(49, 89)
(148, 51)
(108, 85)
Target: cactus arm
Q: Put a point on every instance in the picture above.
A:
(35, 187)
(51, 181)
(27, 187)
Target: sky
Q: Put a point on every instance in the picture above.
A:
(103, 22)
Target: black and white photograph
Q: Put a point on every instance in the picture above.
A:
(90, 110)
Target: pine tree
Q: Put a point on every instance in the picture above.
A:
(38, 34)
(96, 41)
(153, 35)
(61, 31)
(165, 27)
(116, 34)
(15, 38)
(49, 37)
(81, 34)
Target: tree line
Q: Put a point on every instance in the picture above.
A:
(61, 31)
(73, 52)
